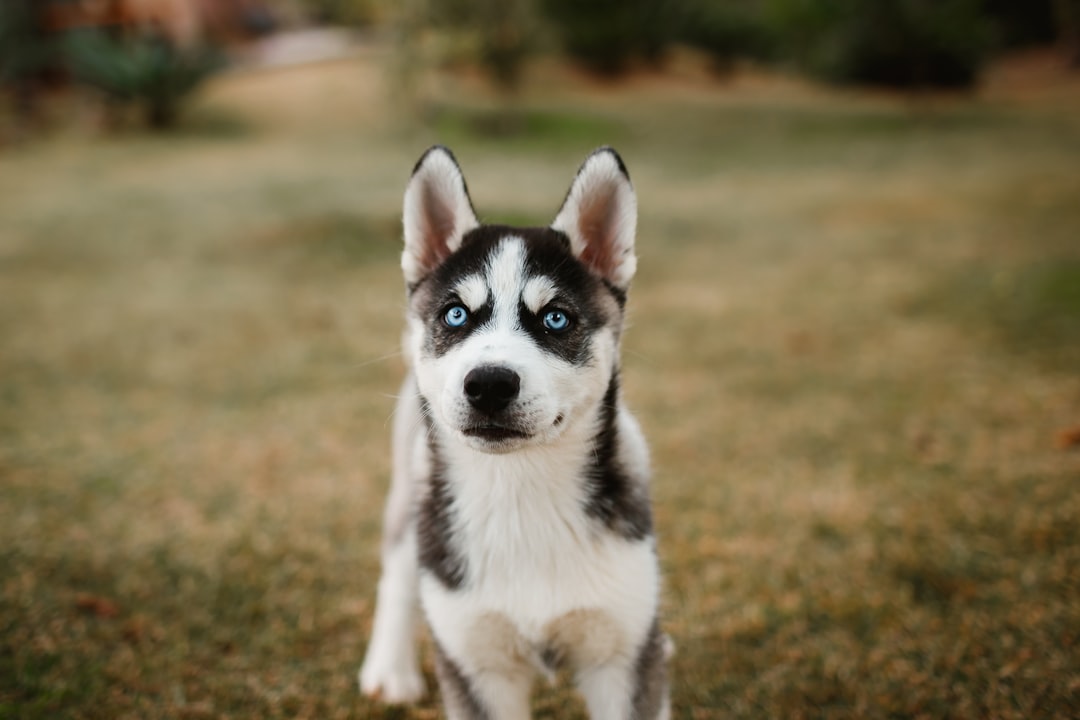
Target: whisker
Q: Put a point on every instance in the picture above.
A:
(372, 361)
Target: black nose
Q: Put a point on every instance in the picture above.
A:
(491, 388)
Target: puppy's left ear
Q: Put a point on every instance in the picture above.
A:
(599, 216)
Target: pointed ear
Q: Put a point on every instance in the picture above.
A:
(437, 213)
(599, 216)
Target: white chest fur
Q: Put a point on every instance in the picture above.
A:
(543, 579)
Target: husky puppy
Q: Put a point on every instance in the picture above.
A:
(519, 512)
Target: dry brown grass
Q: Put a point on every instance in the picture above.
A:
(855, 339)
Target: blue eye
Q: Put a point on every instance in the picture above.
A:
(456, 316)
(556, 320)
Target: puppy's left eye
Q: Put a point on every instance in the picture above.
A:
(556, 321)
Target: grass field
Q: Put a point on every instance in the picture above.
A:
(855, 348)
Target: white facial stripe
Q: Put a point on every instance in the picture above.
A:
(538, 292)
(505, 272)
(472, 291)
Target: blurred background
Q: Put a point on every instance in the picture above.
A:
(150, 56)
(854, 336)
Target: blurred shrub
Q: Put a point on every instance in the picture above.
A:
(726, 31)
(606, 35)
(499, 32)
(1068, 20)
(1018, 24)
(142, 69)
(25, 52)
(499, 35)
(343, 12)
(895, 43)
(898, 43)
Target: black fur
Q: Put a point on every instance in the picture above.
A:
(547, 253)
(650, 682)
(615, 498)
(432, 296)
(457, 690)
(618, 293)
(553, 658)
(550, 256)
(441, 338)
(434, 523)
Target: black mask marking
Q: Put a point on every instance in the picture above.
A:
(581, 294)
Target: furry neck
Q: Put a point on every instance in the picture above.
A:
(494, 515)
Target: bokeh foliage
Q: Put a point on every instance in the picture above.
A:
(900, 43)
(142, 69)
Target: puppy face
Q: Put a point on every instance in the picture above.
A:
(514, 338)
(514, 332)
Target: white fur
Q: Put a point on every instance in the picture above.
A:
(524, 510)
(506, 274)
(538, 292)
(473, 291)
(391, 669)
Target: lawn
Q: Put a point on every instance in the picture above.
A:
(854, 347)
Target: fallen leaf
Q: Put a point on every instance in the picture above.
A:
(96, 605)
(1068, 438)
(136, 629)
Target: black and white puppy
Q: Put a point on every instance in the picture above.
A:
(519, 511)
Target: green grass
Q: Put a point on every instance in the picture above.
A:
(854, 337)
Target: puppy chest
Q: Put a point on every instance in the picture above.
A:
(585, 615)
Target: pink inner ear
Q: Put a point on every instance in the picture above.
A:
(596, 223)
(438, 225)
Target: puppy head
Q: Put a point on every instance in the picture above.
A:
(514, 331)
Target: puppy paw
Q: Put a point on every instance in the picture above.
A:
(389, 683)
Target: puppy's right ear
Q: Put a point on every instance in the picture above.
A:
(437, 213)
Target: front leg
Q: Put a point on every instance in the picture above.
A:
(637, 690)
(391, 671)
(485, 666)
(490, 694)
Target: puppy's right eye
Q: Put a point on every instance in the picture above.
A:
(456, 316)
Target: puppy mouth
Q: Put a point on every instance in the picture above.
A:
(493, 432)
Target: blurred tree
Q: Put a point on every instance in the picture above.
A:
(1068, 20)
(725, 30)
(498, 32)
(1020, 24)
(606, 35)
(343, 12)
(140, 68)
(26, 53)
(498, 35)
(897, 43)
